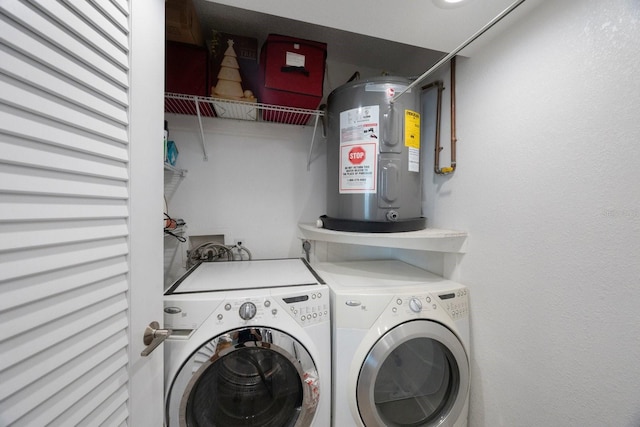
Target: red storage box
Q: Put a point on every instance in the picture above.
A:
(291, 75)
(186, 69)
(186, 73)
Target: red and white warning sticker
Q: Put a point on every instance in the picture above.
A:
(358, 168)
(359, 130)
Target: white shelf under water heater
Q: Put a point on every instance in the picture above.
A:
(429, 239)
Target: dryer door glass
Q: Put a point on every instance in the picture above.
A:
(247, 378)
(415, 375)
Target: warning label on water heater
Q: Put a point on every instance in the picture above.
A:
(359, 129)
(412, 138)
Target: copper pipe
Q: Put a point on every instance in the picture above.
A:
(437, 148)
(454, 140)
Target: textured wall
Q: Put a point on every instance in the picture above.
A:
(548, 186)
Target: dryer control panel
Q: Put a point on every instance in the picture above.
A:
(456, 303)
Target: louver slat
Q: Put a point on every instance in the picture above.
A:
(81, 50)
(30, 45)
(34, 128)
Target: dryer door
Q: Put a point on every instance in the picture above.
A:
(246, 377)
(417, 374)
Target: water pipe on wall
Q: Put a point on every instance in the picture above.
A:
(438, 147)
(452, 168)
(440, 87)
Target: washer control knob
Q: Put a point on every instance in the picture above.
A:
(415, 305)
(247, 311)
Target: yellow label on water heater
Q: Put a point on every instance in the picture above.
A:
(411, 129)
(412, 139)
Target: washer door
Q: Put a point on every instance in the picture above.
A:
(417, 374)
(246, 377)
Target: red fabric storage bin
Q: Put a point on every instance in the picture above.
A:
(186, 69)
(291, 75)
(186, 73)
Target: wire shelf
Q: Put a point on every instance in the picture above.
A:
(202, 106)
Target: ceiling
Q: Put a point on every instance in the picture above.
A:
(413, 36)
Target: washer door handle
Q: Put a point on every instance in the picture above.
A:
(153, 337)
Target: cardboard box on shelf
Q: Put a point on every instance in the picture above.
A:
(181, 22)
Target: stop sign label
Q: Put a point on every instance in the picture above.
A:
(356, 155)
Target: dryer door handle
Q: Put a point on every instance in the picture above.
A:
(153, 337)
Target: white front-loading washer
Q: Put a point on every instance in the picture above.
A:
(250, 346)
(400, 345)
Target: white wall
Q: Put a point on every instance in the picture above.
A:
(548, 186)
(254, 186)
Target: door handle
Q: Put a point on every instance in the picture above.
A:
(153, 337)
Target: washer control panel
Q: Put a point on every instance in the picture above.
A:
(309, 308)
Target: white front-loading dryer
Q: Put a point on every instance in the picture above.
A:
(400, 345)
(250, 346)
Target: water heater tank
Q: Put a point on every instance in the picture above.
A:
(374, 176)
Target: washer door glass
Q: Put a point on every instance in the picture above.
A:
(249, 377)
(417, 374)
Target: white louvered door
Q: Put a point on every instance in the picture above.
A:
(77, 253)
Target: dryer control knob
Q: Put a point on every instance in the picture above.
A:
(415, 305)
(247, 311)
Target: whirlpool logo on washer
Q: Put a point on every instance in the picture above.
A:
(355, 303)
(172, 310)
